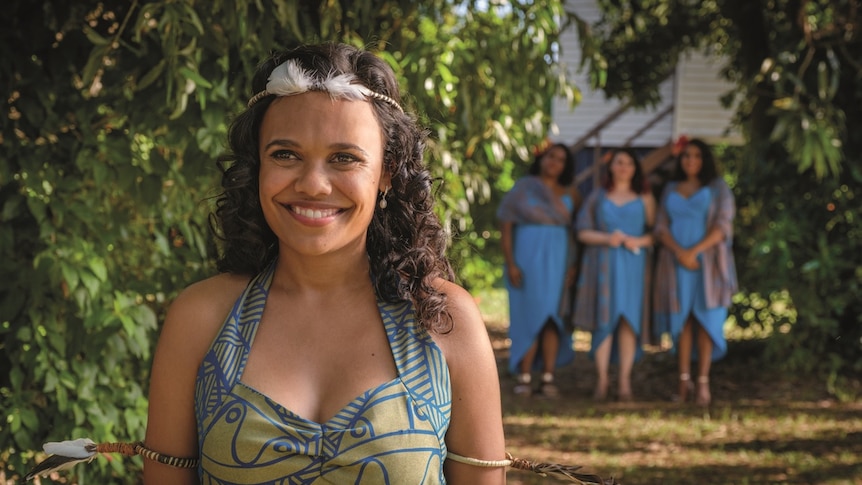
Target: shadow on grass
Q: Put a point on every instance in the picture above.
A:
(717, 475)
(763, 427)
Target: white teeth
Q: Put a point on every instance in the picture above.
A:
(313, 213)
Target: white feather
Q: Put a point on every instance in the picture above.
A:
(72, 448)
(289, 78)
(342, 86)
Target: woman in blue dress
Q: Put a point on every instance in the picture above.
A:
(613, 285)
(535, 219)
(695, 272)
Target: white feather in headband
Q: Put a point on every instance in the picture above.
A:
(290, 78)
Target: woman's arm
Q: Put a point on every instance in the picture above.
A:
(191, 324)
(599, 238)
(476, 426)
(586, 225)
(721, 227)
(646, 239)
(507, 244)
(686, 258)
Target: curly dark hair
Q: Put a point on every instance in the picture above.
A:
(708, 169)
(568, 174)
(406, 243)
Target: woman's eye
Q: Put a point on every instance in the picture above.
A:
(344, 158)
(283, 155)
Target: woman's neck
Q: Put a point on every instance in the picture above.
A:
(621, 187)
(549, 181)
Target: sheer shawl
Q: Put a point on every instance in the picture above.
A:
(532, 202)
(719, 268)
(591, 310)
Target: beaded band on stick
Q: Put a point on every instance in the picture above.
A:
(66, 454)
(568, 472)
(289, 79)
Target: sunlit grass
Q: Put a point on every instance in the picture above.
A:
(661, 443)
(763, 427)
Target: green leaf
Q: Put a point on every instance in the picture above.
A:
(195, 76)
(29, 419)
(94, 63)
(151, 76)
(94, 37)
(16, 378)
(91, 283)
(97, 266)
(70, 275)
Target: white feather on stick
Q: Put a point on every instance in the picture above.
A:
(63, 455)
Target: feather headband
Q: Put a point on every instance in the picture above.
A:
(290, 78)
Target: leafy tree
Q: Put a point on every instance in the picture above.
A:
(797, 67)
(114, 113)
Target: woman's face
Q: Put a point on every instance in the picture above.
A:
(691, 161)
(553, 163)
(321, 167)
(622, 168)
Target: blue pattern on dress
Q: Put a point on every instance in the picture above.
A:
(391, 434)
(688, 227)
(626, 273)
(540, 251)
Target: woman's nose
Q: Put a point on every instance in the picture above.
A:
(313, 179)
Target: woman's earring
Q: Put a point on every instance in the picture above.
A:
(383, 202)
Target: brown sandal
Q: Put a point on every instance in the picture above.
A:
(547, 388)
(704, 397)
(523, 388)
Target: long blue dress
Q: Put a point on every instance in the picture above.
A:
(540, 251)
(688, 226)
(625, 270)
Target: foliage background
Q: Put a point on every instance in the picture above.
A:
(114, 113)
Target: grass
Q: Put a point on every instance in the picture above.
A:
(762, 428)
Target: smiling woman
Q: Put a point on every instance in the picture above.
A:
(333, 347)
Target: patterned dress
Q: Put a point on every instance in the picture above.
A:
(613, 282)
(391, 434)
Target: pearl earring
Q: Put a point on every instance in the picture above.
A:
(383, 204)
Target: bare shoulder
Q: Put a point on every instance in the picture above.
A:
(469, 336)
(197, 313)
(648, 200)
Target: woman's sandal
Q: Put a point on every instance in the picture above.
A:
(547, 388)
(685, 387)
(523, 388)
(704, 397)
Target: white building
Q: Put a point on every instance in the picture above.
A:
(690, 106)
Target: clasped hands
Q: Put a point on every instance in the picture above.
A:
(687, 258)
(619, 238)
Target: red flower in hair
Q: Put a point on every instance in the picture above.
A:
(679, 145)
(542, 147)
